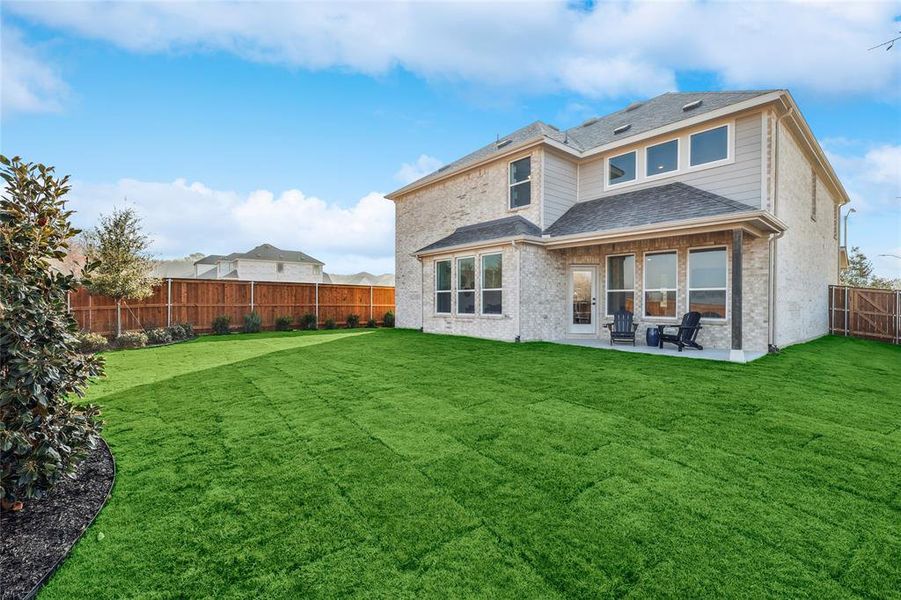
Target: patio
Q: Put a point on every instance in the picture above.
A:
(740, 356)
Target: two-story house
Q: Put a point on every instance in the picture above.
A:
(717, 202)
(263, 263)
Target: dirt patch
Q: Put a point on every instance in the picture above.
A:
(36, 539)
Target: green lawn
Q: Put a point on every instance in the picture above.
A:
(396, 464)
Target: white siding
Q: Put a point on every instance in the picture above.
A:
(739, 180)
(560, 179)
(262, 270)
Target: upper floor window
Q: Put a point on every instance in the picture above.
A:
(621, 168)
(660, 276)
(280, 267)
(443, 287)
(466, 286)
(662, 158)
(521, 182)
(492, 284)
(709, 146)
(707, 282)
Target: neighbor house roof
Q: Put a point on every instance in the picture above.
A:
(671, 202)
(263, 252)
(482, 232)
(641, 117)
(212, 259)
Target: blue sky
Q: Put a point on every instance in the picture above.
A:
(232, 125)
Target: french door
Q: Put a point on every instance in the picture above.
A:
(583, 294)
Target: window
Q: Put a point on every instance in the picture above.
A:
(280, 267)
(621, 168)
(709, 146)
(521, 182)
(620, 283)
(662, 158)
(443, 287)
(466, 286)
(660, 284)
(707, 282)
(492, 282)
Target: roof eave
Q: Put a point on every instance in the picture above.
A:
(526, 239)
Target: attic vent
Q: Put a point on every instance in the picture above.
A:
(692, 105)
(503, 143)
(590, 121)
(633, 106)
(622, 128)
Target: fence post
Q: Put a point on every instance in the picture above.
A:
(169, 302)
(316, 307)
(90, 312)
(69, 302)
(251, 296)
(370, 302)
(847, 311)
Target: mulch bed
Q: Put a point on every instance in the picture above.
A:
(36, 539)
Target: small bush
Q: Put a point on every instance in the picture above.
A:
(132, 339)
(222, 325)
(160, 335)
(353, 321)
(283, 323)
(176, 332)
(253, 322)
(188, 330)
(308, 321)
(371, 323)
(388, 319)
(88, 343)
(330, 324)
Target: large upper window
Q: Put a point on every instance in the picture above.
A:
(521, 182)
(660, 275)
(621, 168)
(492, 284)
(466, 286)
(709, 146)
(443, 286)
(707, 282)
(620, 284)
(662, 158)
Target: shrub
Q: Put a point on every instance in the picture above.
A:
(330, 324)
(176, 332)
(160, 335)
(222, 325)
(132, 339)
(43, 436)
(283, 323)
(371, 323)
(188, 330)
(388, 319)
(88, 343)
(308, 321)
(353, 321)
(253, 322)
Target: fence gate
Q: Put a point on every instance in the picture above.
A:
(873, 314)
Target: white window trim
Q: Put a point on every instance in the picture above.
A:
(689, 289)
(447, 291)
(510, 207)
(627, 182)
(607, 290)
(645, 289)
(457, 289)
(665, 173)
(483, 289)
(730, 148)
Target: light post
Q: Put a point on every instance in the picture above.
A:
(847, 214)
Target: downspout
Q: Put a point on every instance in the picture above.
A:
(518, 250)
(421, 294)
(773, 270)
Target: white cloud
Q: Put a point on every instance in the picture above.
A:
(425, 164)
(184, 217)
(29, 84)
(617, 49)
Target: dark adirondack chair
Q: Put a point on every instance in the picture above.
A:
(686, 334)
(623, 328)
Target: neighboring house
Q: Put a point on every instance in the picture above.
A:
(361, 278)
(263, 263)
(719, 202)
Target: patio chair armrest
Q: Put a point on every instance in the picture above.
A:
(634, 327)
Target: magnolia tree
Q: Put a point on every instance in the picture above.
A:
(121, 250)
(43, 436)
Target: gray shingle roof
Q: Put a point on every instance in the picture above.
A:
(484, 232)
(659, 111)
(262, 252)
(212, 259)
(670, 202)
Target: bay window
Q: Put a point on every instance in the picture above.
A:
(620, 284)
(466, 286)
(707, 282)
(443, 287)
(492, 284)
(660, 277)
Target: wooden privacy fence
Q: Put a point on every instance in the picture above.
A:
(865, 313)
(199, 301)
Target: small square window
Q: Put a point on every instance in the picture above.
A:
(662, 158)
(710, 146)
(621, 168)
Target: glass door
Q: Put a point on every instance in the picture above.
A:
(583, 300)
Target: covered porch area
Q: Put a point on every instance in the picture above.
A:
(641, 348)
